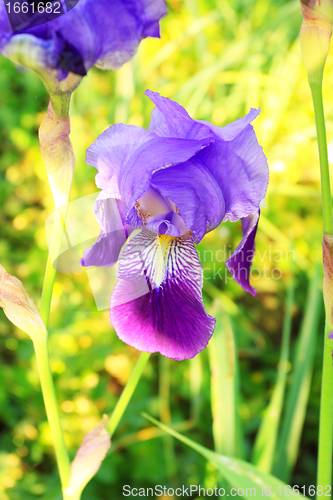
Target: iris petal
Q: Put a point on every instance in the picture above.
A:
(231, 131)
(105, 251)
(127, 156)
(111, 152)
(196, 194)
(169, 119)
(169, 223)
(157, 303)
(104, 33)
(234, 159)
(239, 264)
(239, 167)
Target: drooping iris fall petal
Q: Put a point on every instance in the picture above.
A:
(157, 303)
(239, 264)
(105, 251)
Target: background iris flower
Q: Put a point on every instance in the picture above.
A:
(61, 49)
(104, 33)
(176, 182)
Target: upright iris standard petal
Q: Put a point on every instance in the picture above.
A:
(127, 156)
(169, 119)
(239, 166)
(112, 150)
(233, 129)
(234, 159)
(104, 33)
(170, 224)
(195, 192)
(157, 303)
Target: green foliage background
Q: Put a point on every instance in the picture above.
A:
(217, 58)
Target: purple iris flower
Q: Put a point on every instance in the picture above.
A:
(175, 183)
(104, 33)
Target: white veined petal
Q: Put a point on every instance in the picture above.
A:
(150, 260)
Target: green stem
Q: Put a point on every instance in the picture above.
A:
(127, 392)
(325, 449)
(52, 411)
(76, 495)
(43, 360)
(50, 272)
(165, 415)
(324, 476)
(61, 106)
(316, 89)
(60, 103)
(45, 304)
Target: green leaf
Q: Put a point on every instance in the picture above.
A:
(265, 444)
(165, 415)
(225, 386)
(238, 473)
(298, 394)
(196, 376)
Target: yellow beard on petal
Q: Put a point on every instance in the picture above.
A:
(163, 244)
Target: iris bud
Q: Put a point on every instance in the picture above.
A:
(58, 155)
(315, 36)
(88, 458)
(19, 307)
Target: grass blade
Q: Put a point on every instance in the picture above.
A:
(225, 386)
(265, 444)
(238, 473)
(196, 376)
(165, 415)
(298, 393)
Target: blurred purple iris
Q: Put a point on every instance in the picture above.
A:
(175, 182)
(104, 33)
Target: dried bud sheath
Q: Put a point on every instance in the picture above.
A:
(328, 276)
(88, 458)
(58, 156)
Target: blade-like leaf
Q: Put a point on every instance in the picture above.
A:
(245, 477)
(224, 386)
(265, 444)
(298, 393)
(196, 376)
(165, 415)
